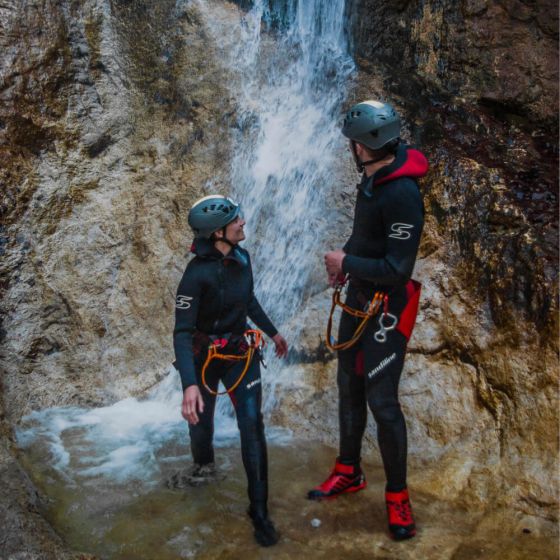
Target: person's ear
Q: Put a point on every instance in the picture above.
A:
(218, 234)
(360, 149)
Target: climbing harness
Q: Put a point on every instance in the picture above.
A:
(370, 309)
(255, 343)
(387, 321)
(384, 327)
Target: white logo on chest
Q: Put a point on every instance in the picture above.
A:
(400, 231)
(183, 302)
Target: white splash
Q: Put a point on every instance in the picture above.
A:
(124, 441)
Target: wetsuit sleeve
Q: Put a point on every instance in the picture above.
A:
(403, 218)
(186, 313)
(256, 312)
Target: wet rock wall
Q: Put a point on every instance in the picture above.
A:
(479, 80)
(107, 134)
(105, 141)
(477, 83)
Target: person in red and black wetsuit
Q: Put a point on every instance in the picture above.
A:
(214, 299)
(379, 256)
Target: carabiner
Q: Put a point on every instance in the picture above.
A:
(381, 334)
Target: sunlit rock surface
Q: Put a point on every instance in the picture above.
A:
(115, 117)
(107, 135)
(95, 231)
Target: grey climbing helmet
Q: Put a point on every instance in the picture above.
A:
(211, 213)
(372, 123)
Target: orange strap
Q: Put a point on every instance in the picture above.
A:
(256, 342)
(372, 309)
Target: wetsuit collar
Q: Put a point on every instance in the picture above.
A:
(407, 163)
(205, 248)
(397, 163)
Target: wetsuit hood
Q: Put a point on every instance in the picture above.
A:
(408, 162)
(206, 249)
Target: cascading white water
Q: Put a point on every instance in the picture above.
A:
(289, 94)
(288, 84)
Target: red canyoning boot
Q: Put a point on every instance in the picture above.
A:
(343, 479)
(399, 513)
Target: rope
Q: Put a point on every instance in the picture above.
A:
(372, 309)
(255, 341)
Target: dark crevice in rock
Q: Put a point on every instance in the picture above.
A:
(318, 354)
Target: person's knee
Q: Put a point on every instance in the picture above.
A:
(252, 423)
(346, 365)
(385, 411)
(249, 416)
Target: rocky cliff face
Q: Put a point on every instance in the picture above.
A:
(105, 140)
(479, 80)
(478, 84)
(502, 53)
(107, 134)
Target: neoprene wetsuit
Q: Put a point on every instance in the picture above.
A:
(380, 256)
(214, 298)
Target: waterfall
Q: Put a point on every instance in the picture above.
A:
(289, 66)
(290, 83)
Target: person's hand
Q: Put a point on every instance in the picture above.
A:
(280, 345)
(336, 279)
(192, 403)
(333, 264)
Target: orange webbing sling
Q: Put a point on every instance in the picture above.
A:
(372, 309)
(255, 341)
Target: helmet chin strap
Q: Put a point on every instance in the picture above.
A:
(224, 239)
(361, 165)
(235, 250)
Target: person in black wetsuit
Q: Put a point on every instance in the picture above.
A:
(214, 299)
(379, 256)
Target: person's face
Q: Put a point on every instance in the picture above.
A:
(234, 230)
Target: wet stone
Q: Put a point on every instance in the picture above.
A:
(196, 475)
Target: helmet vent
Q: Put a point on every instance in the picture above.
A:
(212, 213)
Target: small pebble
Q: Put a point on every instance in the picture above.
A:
(315, 522)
